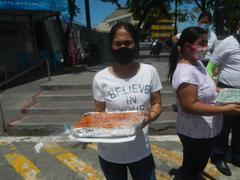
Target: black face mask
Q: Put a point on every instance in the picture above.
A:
(124, 55)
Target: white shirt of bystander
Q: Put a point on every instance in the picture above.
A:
(227, 57)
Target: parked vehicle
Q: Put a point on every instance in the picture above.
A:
(155, 48)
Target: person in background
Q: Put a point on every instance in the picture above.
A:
(199, 119)
(204, 21)
(125, 86)
(226, 57)
(155, 48)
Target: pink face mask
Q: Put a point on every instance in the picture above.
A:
(199, 53)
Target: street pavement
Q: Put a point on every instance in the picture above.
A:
(13, 99)
(56, 157)
(44, 158)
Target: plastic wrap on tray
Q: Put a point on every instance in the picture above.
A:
(229, 95)
(108, 124)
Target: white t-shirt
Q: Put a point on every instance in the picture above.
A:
(191, 125)
(227, 57)
(212, 42)
(126, 95)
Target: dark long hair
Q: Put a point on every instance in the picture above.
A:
(189, 35)
(203, 14)
(128, 27)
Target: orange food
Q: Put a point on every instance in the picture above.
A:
(109, 120)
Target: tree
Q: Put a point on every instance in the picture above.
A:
(188, 9)
(231, 14)
(145, 11)
(73, 9)
(226, 12)
(204, 5)
(148, 11)
(116, 2)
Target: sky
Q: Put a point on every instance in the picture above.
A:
(100, 10)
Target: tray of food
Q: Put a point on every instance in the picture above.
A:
(107, 126)
(228, 95)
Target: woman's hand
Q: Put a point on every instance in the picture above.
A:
(155, 110)
(149, 117)
(231, 109)
(218, 89)
(146, 119)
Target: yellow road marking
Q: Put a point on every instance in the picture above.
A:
(172, 157)
(23, 166)
(54, 148)
(72, 162)
(161, 176)
(166, 155)
(92, 146)
(2, 143)
(12, 147)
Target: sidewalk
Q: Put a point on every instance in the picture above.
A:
(22, 90)
(16, 98)
(13, 99)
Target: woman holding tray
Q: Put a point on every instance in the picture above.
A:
(199, 119)
(125, 86)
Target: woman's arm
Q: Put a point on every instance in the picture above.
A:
(187, 95)
(156, 107)
(174, 39)
(100, 106)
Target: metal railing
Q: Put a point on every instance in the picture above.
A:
(27, 70)
(7, 81)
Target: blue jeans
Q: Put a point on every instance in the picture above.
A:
(140, 170)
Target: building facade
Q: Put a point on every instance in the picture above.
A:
(163, 29)
(120, 15)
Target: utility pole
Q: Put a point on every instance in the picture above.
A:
(88, 17)
(219, 18)
(175, 22)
